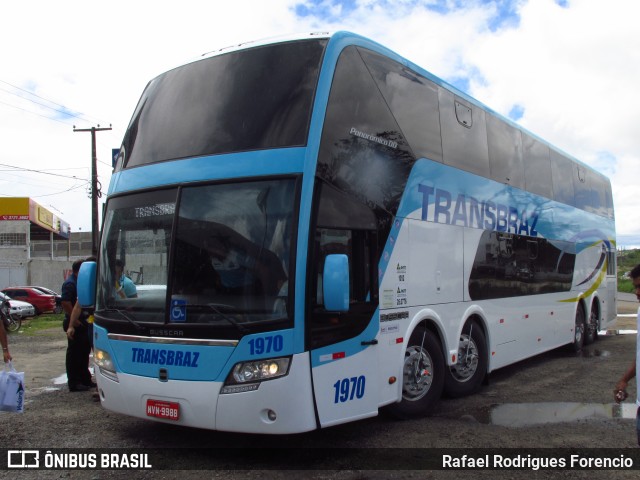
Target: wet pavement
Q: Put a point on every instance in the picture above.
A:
(519, 415)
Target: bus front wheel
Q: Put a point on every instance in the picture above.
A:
(466, 376)
(422, 376)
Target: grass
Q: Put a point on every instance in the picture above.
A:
(626, 261)
(33, 325)
(625, 285)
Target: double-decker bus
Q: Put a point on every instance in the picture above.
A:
(318, 228)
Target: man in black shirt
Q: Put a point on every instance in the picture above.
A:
(78, 346)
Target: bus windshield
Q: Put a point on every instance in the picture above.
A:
(217, 254)
(252, 99)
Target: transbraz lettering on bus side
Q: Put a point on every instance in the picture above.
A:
(466, 211)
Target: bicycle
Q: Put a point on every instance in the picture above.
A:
(12, 322)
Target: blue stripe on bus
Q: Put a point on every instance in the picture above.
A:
(213, 167)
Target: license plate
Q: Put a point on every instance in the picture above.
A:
(163, 409)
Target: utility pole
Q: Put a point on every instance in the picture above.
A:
(94, 185)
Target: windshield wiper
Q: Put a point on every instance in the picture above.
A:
(216, 309)
(126, 317)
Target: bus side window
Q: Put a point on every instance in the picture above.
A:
(344, 226)
(325, 326)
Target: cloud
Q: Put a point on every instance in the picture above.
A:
(573, 69)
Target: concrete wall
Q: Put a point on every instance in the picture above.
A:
(79, 245)
(12, 275)
(14, 252)
(34, 264)
(49, 273)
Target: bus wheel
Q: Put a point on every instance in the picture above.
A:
(466, 376)
(578, 332)
(591, 332)
(422, 376)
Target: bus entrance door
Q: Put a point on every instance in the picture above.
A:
(345, 378)
(343, 326)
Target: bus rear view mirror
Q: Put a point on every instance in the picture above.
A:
(87, 284)
(335, 283)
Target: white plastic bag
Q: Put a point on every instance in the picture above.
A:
(11, 389)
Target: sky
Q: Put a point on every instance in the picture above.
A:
(566, 70)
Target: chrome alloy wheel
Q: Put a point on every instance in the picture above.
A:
(417, 374)
(467, 363)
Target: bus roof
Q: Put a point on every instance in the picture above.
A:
(347, 37)
(266, 41)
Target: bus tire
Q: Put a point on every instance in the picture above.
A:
(423, 373)
(579, 328)
(466, 376)
(591, 328)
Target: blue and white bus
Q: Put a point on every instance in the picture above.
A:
(319, 228)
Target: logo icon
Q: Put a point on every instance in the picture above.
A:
(23, 459)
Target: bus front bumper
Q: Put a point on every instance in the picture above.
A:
(280, 406)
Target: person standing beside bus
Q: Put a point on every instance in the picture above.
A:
(78, 313)
(621, 386)
(78, 346)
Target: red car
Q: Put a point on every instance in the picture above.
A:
(42, 302)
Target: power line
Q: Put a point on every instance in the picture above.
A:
(39, 185)
(66, 111)
(87, 119)
(63, 112)
(31, 93)
(29, 181)
(56, 120)
(34, 113)
(49, 170)
(63, 191)
(40, 171)
(75, 187)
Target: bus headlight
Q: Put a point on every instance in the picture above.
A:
(254, 372)
(103, 361)
(260, 370)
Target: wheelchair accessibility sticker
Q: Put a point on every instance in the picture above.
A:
(178, 310)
